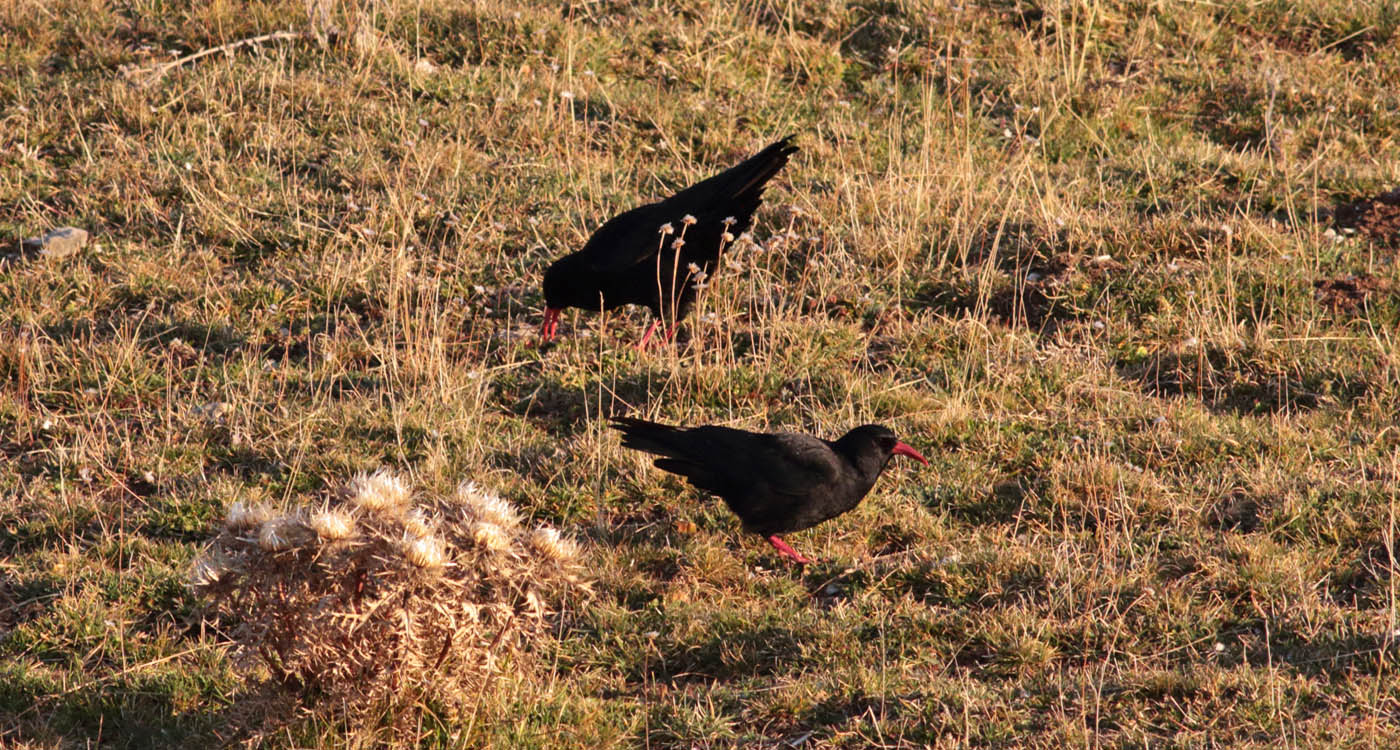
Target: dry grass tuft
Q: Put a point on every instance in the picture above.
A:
(372, 607)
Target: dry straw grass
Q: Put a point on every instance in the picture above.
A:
(380, 601)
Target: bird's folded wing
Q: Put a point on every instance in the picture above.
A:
(629, 238)
(796, 465)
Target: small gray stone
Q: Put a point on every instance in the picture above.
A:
(212, 411)
(60, 243)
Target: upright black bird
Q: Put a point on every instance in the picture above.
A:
(776, 483)
(656, 254)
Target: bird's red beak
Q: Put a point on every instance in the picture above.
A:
(904, 449)
(551, 323)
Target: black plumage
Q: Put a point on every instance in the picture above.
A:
(776, 483)
(631, 260)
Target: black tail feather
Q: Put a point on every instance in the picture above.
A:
(649, 437)
(743, 182)
(674, 448)
(762, 167)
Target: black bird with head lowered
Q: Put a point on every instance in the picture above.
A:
(656, 255)
(776, 483)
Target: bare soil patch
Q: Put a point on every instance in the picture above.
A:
(1349, 293)
(1376, 218)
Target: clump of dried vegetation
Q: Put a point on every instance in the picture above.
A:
(382, 600)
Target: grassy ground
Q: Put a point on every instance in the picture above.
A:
(1087, 256)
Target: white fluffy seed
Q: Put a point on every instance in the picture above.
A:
(424, 551)
(206, 571)
(275, 535)
(550, 544)
(416, 523)
(485, 506)
(332, 524)
(383, 490)
(490, 536)
(243, 516)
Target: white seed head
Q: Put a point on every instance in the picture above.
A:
(688, 220)
(486, 506)
(667, 228)
(243, 516)
(276, 534)
(535, 605)
(424, 551)
(207, 571)
(549, 544)
(490, 536)
(677, 243)
(729, 221)
(417, 523)
(693, 268)
(469, 493)
(727, 237)
(383, 490)
(332, 525)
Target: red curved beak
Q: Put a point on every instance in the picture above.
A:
(904, 449)
(551, 323)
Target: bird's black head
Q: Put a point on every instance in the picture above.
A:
(568, 282)
(565, 284)
(871, 446)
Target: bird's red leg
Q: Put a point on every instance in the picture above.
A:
(788, 552)
(642, 345)
(550, 324)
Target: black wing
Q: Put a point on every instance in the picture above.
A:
(635, 236)
(629, 238)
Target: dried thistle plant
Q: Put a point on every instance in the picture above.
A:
(382, 601)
